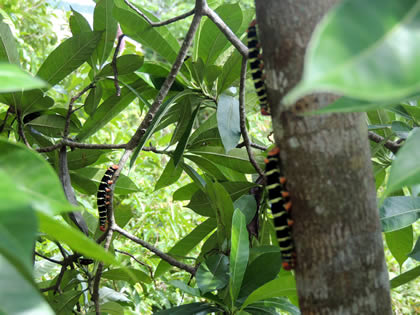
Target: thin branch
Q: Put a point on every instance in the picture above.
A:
(253, 145)
(390, 145)
(243, 50)
(49, 259)
(114, 64)
(21, 131)
(157, 252)
(242, 120)
(79, 145)
(138, 261)
(156, 24)
(5, 119)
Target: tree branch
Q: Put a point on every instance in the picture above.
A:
(253, 145)
(169, 259)
(242, 115)
(138, 261)
(114, 64)
(49, 259)
(390, 145)
(157, 24)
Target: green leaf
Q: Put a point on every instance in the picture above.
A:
(281, 286)
(405, 169)
(104, 22)
(278, 303)
(93, 99)
(179, 151)
(18, 295)
(110, 295)
(126, 64)
(170, 175)
(190, 309)
(230, 73)
(213, 273)
(228, 121)
(185, 192)
(262, 270)
(74, 238)
(68, 56)
(64, 303)
(200, 203)
(126, 274)
(78, 23)
(109, 108)
(187, 243)
(349, 105)
(236, 159)
(12, 79)
(8, 48)
(248, 206)
(209, 123)
(399, 212)
(405, 277)
(207, 166)
(185, 288)
(415, 253)
(401, 129)
(51, 125)
(381, 65)
(239, 254)
(212, 41)
(157, 38)
(210, 137)
(33, 178)
(400, 243)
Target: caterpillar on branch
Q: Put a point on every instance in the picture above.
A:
(103, 196)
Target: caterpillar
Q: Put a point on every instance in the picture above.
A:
(279, 198)
(103, 196)
(257, 67)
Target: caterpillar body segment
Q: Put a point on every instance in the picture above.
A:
(257, 67)
(103, 196)
(281, 204)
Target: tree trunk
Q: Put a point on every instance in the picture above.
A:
(340, 260)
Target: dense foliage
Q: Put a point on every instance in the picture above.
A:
(189, 155)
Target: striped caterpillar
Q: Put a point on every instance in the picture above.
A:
(279, 199)
(257, 67)
(103, 196)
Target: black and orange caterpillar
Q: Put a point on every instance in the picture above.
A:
(279, 198)
(103, 196)
(257, 67)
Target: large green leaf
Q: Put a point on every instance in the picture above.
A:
(75, 239)
(109, 108)
(399, 212)
(248, 205)
(405, 277)
(122, 274)
(380, 65)
(190, 309)
(230, 72)
(207, 166)
(104, 22)
(125, 64)
(228, 121)
(18, 295)
(349, 105)
(157, 38)
(213, 273)
(170, 175)
(236, 159)
(34, 178)
(239, 254)
(405, 169)
(80, 158)
(277, 303)
(222, 205)
(415, 254)
(281, 286)
(187, 243)
(68, 56)
(212, 41)
(400, 243)
(12, 79)
(8, 49)
(209, 123)
(201, 204)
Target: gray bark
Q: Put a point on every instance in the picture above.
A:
(340, 260)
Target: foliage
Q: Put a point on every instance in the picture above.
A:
(195, 133)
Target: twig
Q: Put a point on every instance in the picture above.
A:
(49, 259)
(166, 257)
(114, 64)
(21, 131)
(5, 119)
(253, 145)
(156, 24)
(242, 115)
(243, 50)
(138, 261)
(79, 145)
(390, 145)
